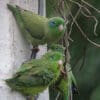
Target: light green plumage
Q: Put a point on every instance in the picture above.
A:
(36, 75)
(72, 85)
(66, 84)
(37, 29)
(63, 87)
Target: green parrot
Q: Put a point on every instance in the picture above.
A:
(36, 75)
(38, 29)
(66, 83)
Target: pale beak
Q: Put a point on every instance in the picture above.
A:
(60, 62)
(61, 68)
(61, 27)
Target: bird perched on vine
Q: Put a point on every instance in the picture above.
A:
(38, 29)
(66, 83)
(36, 75)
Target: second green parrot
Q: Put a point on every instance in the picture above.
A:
(36, 75)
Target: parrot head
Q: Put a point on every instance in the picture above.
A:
(56, 27)
(57, 47)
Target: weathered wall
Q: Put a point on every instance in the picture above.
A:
(14, 49)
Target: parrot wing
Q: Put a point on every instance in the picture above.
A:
(33, 23)
(34, 63)
(36, 77)
(37, 74)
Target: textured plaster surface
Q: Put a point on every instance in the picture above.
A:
(14, 49)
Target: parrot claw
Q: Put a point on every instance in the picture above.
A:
(34, 52)
(63, 72)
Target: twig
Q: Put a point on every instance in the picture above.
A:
(81, 6)
(57, 96)
(74, 18)
(60, 8)
(82, 32)
(91, 6)
(87, 10)
(70, 39)
(76, 3)
(96, 21)
(92, 42)
(54, 6)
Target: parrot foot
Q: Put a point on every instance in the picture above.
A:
(63, 73)
(57, 97)
(34, 52)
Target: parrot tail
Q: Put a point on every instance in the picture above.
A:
(12, 8)
(72, 84)
(13, 83)
(9, 82)
(65, 96)
(17, 14)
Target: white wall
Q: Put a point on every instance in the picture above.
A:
(14, 49)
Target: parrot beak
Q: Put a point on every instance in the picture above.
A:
(61, 27)
(60, 63)
(60, 66)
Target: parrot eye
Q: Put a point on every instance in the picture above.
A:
(53, 23)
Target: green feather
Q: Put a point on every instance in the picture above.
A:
(56, 47)
(66, 84)
(37, 29)
(36, 75)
